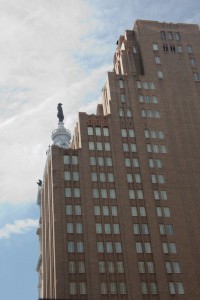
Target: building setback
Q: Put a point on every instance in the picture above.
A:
(120, 207)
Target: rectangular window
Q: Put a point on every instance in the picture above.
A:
(131, 194)
(92, 161)
(155, 47)
(66, 159)
(142, 211)
(160, 75)
(139, 247)
(109, 247)
(131, 133)
(107, 228)
(80, 247)
(138, 178)
(154, 288)
(170, 35)
(134, 212)
(68, 192)
(168, 267)
(135, 163)
(118, 247)
(139, 84)
(177, 36)
(125, 147)
(136, 228)
(77, 210)
(105, 131)
(75, 176)
(112, 194)
(111, 267)
(140, 195)
(100, 161)
(162, 35)
(102, 177)
(104, 193)
(114, 211)
(77, 193)
(157, 59)
(81, 267)
(94, 176)
(128, 113)
(90, 130)
(104, 288)
(82, 288)
(179, 49)
(102, 267)
(141, 267)
(70, 228)
(100, 247)
(121, 83)
(120, 266)
(67, 175)
(129, 178)
(196, 76)
(108, 161)
(91, 146)
(122, 98)
(95, 193)
(105, 210)
(111, 177)
(147, 247)
(150, 267)
(72, 288)
(98, 131)
(176, 267)
(172, 288)
(189, 48)
(72, 267)
(99, 228)
(192, 62)
(133, 147)
(180, 288)
(97, 211)
(165, 47)
(99, 146)
(74, 160)
(127, 162)
(71, 247)
(116, 229)
(144, 288)
(121, 112)
(123, 132)
(122, 288)
(69, 210)
(113, 288)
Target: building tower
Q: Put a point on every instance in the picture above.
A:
(120, 209)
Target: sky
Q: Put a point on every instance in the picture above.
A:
(52, 51)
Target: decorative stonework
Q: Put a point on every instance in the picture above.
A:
(61, 136)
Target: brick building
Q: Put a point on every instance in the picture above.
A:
(120, 205)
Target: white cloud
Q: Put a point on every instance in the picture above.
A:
(18, 227)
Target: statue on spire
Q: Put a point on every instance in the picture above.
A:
(60, 113)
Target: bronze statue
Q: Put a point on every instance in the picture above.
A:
(60, 113)
(39, 182)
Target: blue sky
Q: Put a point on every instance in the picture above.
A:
(52, 51)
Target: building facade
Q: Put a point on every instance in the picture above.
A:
(120, 208)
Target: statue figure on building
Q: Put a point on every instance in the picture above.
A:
(60, 114)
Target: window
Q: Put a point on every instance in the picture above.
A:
(123, 132)
(102, 177)
(142, 211)
(131, 194)
(145, 229)
(75, 176)
(131, 133)
(121, 83)
(120, 266)
(150, 267)
(127, 162)
(68, 192)
(118, 247)
(155, 47)
(134, 49)
(134, 212)
(104, 288)
(99, 228)
(129, 178)
(111, 267)
(116, 229)
(169, 248)
(114, 211)
(111, 177)
(152, 85)
(107, 146)
(74, 160)
(141, 267)
(105, 131)
(147, 247)
(66, 159)
(105, 210)
(102, 267)
(121, 112)
(100, 247)
(168, 267)
(94, 176)
(139, 247)
(107, 228)
(172, 48)
(165, 47)
(138, 178)
(80, 247)
(189, 48)
(176, 267)
(157, 59)
(109, 247)
(135, 163)
(90, 130)
(81, 267)
(125, 147)
(196, 76)
(100, 161)
(144, 288)
(77, 210)
(192, 62)
(99, 146)
(172, 288)
(177, 36)
(72, 267)
(97, 211)
(140, 195)
(112, 194)
(139, 84)
(136, 228)
(128, 112)
(69, 210)
(67, 175)
(162, 35)
(70, 228)
(82, 288)
(180, 288)
(71, 247)
(92, 161)
(108, 161)
(180, 49)
(170, 35)
(160, 75)
(104, 193)
(133, 147)
(154, 288)
(157, 178)
(77, 193)
(72, 288)
(122, 288)
(113, 288)
(122, 98)
(145, 85)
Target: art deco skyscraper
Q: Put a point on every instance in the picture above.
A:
(120, 206)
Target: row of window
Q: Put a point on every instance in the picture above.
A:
(131, 162)
(146, 267)
(141, 211)
(133, 147)
(111, 288)
(158, 61)
(125, 112)
(73, 210)
(156, 148)
(166, 47)
(140, 229)
(148, 99)
(98, 131)
(99, 146)
(72, 192)
(109, 247)
(145, 85)
(102, 177)
(157, 178)
(133, 178)
(70, 160)
(107, 228)
(146, 247)
(170, 35)
(150, 113)
(101, 161)
(155, 163)
(154, 134)
(166, 229)
(77, 288)
(136, 194)
(127, 133)
(74, 228)
(105, 210)
(152, 289)
(76, 267)
(160, 195)
(71, 176)
(104, 193)
(111, 266)
(174, 288)
(163, 211)
(73, 247)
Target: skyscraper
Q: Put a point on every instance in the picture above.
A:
(120, 205)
